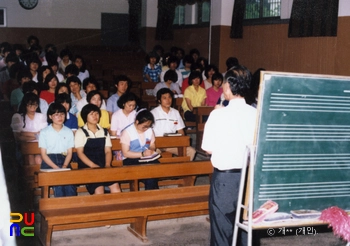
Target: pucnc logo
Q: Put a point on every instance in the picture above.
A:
(28, 230)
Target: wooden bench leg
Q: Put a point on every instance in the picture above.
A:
(134, 185)
(138, 228)
(188, 181)
(45, 232)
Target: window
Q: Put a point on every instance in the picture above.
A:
(204, 12)
(195, 14)
(179, 15)
(2, 17)
(260, 9)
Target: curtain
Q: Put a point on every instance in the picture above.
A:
(166, 14)
(237, 19)
(134, 19)
(313, 18)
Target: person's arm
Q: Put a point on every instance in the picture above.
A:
(47, 159)
(203, 102)
(85, 159)
(128, 153)
(27, 136)
(189, 104)
(181, 131)
(108, 154)
(148, 77)
(68, 158)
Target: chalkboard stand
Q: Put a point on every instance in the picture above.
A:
(243, 206)
(244, 210)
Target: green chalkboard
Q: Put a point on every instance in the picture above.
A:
(303, 142)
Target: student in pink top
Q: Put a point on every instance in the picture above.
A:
(125, 116)
(214, 92)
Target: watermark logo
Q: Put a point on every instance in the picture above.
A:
(27, 230)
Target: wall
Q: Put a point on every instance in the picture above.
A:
(268, 46)
(60, 22)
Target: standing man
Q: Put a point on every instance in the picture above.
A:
(227, 133)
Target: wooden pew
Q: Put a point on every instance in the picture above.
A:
(181, 142)
(150, 100)
(136, 208)
(178, 103)
(200, 112)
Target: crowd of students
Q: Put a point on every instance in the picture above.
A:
(58, 104)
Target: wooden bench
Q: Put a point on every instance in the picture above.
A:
(200, 113)
(181, 142)
(136, 208)
(148, 100)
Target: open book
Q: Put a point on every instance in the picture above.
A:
(153, 157)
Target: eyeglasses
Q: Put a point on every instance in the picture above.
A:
(32, 105)
(56, 115)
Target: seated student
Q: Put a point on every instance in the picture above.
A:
(168, 120)
(62, 88)
(185, 83)
(50, 82)
(80, 63)
(95, 97)
(172, 64)
(94, 147)
(23, 76)
(43, 71)
(180, 53)
(194, 96)
(71, 121)
(66, 59)
(10, 60)
(27, 122)
(159, 50)
(89, 84)
(71, 70)
(152, 71)
(122, 84)
(170, 78)
(52, 62)
(208, 73)
(33, 87)
(230, 63)
(11, 84)
(137, 141)
(214, 92)
(33, 63)
(125, 116)
(76, 94)
(56, 143)
(195, 54)
(186, 70)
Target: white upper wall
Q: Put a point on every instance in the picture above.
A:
(62, 13)
(344, 8)
(222, 10)
(87, 13)
(149, 13)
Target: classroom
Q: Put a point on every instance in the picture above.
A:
(104, 43)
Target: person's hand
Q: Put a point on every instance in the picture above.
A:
(218, 106)
(148, 152)
(95, 166)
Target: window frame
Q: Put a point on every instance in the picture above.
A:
(264, 20)
(4, 17)
(197, 18)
